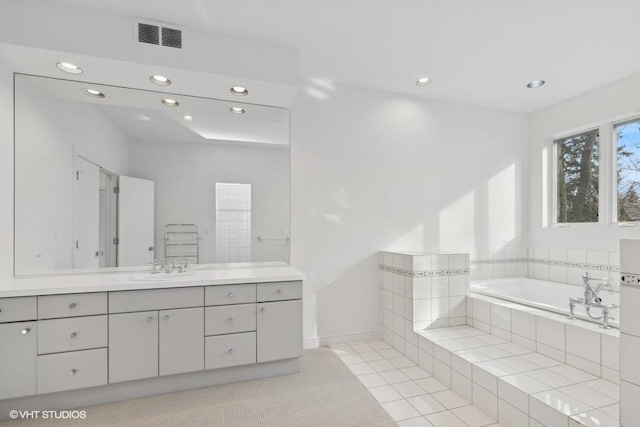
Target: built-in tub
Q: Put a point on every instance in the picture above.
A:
(551, 296)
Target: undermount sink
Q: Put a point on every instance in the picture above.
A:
(162, 277)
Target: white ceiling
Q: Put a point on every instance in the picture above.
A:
(478, 52)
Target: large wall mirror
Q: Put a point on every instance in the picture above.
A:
(113, 177)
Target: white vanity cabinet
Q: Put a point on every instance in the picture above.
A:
(18, 353)
(133, 346)
(205, 335)
(181, 345)
(279, 321)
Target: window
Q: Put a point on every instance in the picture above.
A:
(233, 222)
(627, 137)
(577, 166)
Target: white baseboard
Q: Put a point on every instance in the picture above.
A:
(309, 343)
(348, 338)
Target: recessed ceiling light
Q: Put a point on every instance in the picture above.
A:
(237, 110)
(188, 118)
(534, 84)
(170, 102)
(239, 90)
(68, 67)
(423, 81)
(94, 93)
(160, 80)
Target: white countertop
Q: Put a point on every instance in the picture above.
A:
(121, 280)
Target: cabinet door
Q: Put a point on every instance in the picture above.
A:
(133, 346)
(279, 328)
(181, 340)
(18, 352)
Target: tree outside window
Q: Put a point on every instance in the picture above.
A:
(578, 159)
(628, 170)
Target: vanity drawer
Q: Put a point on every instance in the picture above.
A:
(230, 319)
(68, 371)
(155, 299)
(71, 305)
(230, 294)
(17, 309)
(58, 335)
(279, 291)
(230, 350)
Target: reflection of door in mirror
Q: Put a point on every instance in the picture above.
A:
(136, 221)
(94, 215)
(86, 214)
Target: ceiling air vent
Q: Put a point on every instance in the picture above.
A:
(159, 35)
(148, 33)
(171, 38)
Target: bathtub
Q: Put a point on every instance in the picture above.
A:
(550, 296)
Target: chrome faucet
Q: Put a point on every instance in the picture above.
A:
(169, 266)
(591, 294)
(592, 299)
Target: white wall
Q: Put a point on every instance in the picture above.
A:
(606, 102)
(186, 173)
(376, 171)
(47, 133)
(6, 173)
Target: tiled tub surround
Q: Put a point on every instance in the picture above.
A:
(629, 333)
(520, 365)
(420, 291)
(556, 265)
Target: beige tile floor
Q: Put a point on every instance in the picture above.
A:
(409, 394)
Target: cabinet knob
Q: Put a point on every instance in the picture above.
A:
(230, 319)
(0, 309)
(72, 305)
(73, 335)
(279, 291)
(230, 294)
(25, 331)
(262, 310)
(150, 318)
(73, 371)
(230, 350)
(166, 316)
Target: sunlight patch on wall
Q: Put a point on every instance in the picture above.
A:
(502, 207)
(457, 223)
(545, 187)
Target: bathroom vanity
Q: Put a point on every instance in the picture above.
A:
(81, 339)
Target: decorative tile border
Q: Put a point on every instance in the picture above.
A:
(630, 279)
(426, 273)
(540, 261)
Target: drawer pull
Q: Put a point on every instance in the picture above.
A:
(166, 316)
(73, 371)
(73, 335)
(0, 310)
(25, 331)
(279, 291)
(230, 294)
(73, 305)
(262, 310)
(230, 319)
(150, 318)
(231, 351)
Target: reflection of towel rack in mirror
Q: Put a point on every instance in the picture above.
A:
(280, 239)
(182, 241)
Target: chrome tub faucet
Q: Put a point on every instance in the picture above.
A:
(592, 299)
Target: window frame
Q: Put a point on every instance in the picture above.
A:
(607, 175)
